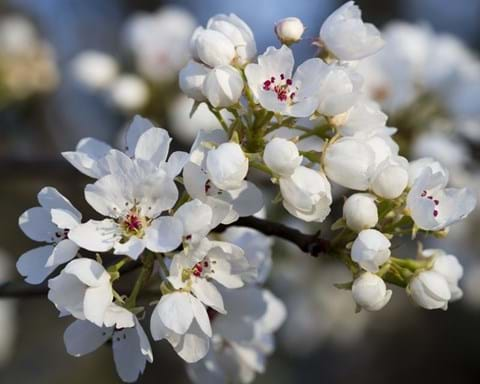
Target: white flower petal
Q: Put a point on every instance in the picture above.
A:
(153, 145)
(201, 315)
(95, 236)
(63, 252)
(164, 234)
(64, 219)
(208, 294)
(31, 264)
(176, 162)
(37, 224)
(133, 247)
(83, 337)
(96, 303)
(175, 312)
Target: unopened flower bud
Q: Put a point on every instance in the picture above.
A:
(360, 211)
(289, 30)
(227, 166)
(212, 47)
(282, 156)
(191, 79)
(370, 249)
(429, 290)
(390, 178)
(370, 292)
(223, 86)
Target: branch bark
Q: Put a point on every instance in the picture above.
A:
(311, 244)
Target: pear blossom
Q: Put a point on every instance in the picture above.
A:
(370, 250)
(83, 289)
(347, 37)
(274, 87)
(364, 115)
(282, 156)
(50, 223)
(212, 48)
(416, 167)
(223, 86)
(238, 32)
(130, 345)
(289, 30)
(227, 204)
(133, 198)
(196, 218)
(390, 178)
(360, 211)
(306, 194)
(191, 79)
(339, 89)
(129, 93)
(369, 292)
(94, 70)
(429, 289)
(349, 162)
(433, 206)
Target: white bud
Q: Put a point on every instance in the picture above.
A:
(227, 166)
(370, 292)
(348, 162)
(282, 156)
(371, 249)
(347, 37)
(360, 211)
(212, 47)
(450, 268)
(306, 194)
(191, 79)
(223, 86)
(429, 290)
(289, 30)
(390, 178)
(129, 93)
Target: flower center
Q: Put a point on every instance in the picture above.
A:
(281, 87)
(60, 235)
(436, 202)
(133, 224)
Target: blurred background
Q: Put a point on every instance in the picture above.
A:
(76, 68)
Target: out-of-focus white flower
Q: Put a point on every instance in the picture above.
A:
(390, 178)
(306, 194)
(281, 156)
(191, 79)
(238, 32)
(347, 37)
(429, 290)
(370, 292)
(94, 69)
(360, 211)
(339, 89)
(227, 166)
(50, 223)
(289, 30)
(223, 86)
(83, 289)
(433, 206)
(371, 249)
(276, 90)
(160, 41)
(349, 162)
(130, 345)
(129, 93)
(17, 35)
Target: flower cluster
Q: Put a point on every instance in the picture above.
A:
(314, 133)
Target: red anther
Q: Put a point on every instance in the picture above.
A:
(435, 213)
(205, 264)
(436, 202)
(289, 82)
(424, 193)
(292, 95)
(282, 76)
(430, 197)
(272, 79)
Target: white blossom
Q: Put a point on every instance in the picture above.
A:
(212, 48)
(223, 86)
(129, 93)
(83, 289)
(282, 156)
(371, 249)
(289, 30)
(191, 79)
(94, 70)
(347, 37)
(360, 211)
(390, 177)
(306, 194)
(227, 166)
(50, 223)
(369, 292)
(429, 290)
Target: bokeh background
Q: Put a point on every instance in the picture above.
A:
(46, 106)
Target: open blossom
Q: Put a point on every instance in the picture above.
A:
(50, 223)
(360, 211)
(228, 204)
(133, 198)
(275, 88)
(306, 194)
(197, 220)
(282, 156)
(433, 206)
(347, 37)
(83, 289)
(130, 345)
(371, 249)
(370, 292)
(239, 355)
